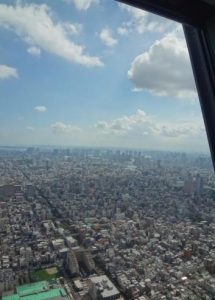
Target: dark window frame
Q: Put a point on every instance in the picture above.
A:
(198, 20)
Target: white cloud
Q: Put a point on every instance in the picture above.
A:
(34, 51)
(137, 130)
(124, 124)
(107, 39)
(122, 31)
(135, 12)
(142, 21)
(7, 72)
(82, 4)
(182, 129)
(140, 124)
(40, 108)
(72, 29)
(60, 127)
(165, 68)
(36, 25)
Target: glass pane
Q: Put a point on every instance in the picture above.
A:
(107, 186)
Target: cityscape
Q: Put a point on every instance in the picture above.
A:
(97, 223)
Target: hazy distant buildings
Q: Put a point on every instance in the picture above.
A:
(193, 185)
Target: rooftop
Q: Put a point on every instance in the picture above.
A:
(37, 291)
(105, 286)
(32, 288)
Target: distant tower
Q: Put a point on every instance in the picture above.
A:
(189, 185)
(198, 185)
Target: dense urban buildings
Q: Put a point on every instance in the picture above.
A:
(107, 223)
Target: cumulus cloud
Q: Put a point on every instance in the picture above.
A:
(40, 108)
(124, 124)
(185, 129)
(165, 68)
(135, 12)
(122, 30)
(60, 127)
(34, 51)
(72, 29)
(107, 38)
(36, 25)
(142, 21)
(7, 72)
(141, 124)
(82, 4)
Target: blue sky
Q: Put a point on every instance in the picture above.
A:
(95, 73)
